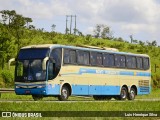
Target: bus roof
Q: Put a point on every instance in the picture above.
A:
(96, 49)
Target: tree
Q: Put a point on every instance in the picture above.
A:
(27, 21)
(5, 46)
(8, 16)
(97, 31)
(15, 24)
(141, 43)
(102, 31)
(53, 27)
(154, 43)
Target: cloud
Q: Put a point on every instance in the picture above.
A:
(123, 16)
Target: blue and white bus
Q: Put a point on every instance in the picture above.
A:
(62, 71)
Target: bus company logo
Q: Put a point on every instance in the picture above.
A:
(6, 114)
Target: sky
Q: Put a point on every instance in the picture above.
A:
(139, 18)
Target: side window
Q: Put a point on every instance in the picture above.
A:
(54, 63)
(108, 60)
(131, 62)
(120, 61)
(56, 54)
(123, 61)
(99, 59)
(117, 60)
(51, 71)
(70, 56)
(139, 63)
(93, 58)
(66, 56)
(83, 58)
(86, 58)
(145, 63)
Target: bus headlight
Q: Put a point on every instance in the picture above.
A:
(40, 86)
(17, 87)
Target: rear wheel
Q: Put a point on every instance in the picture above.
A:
(64, 94)
(132, 94)
(37, 97)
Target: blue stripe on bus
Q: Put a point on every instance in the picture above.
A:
(95, 90)
(103, 90)
(108, 72)
(48, 90)
(143, 74)
(80, 90)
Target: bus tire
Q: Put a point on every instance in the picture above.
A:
(64, 94)
(132, 94)
(37, 97)
(123, 94)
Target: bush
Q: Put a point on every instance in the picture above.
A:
(8, 77)
(156, 81)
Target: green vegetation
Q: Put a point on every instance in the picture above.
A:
(16, 31)
(81, 106)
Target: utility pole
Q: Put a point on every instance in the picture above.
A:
(75, 26)
(71, 16)
(71, 25)
(131, 37)
(66, 24)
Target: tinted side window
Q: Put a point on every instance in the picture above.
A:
(120, 61)
(83, 58)
(139, 63)
(108, 60)
(66, 56)
(123, 61)
(86, 58)
(131, 62)
(56, 54)
(55, 63)
(99, 59)
(93, 58)
(117, 60)
(72, 56)
(145, 63)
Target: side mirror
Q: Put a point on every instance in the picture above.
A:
(44, 63)
(10, 61)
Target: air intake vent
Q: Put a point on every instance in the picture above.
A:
(144, 85)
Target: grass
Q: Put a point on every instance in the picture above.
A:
(80, 104)
(83, 106)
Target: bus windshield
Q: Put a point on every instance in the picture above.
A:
(29, 65)
(30, 70)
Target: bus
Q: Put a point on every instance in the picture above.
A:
(62, 71)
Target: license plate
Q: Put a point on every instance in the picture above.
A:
(28, 92)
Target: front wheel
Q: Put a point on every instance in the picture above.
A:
(64, 94)
(37, 97)
(123, 94)
(132, 94)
